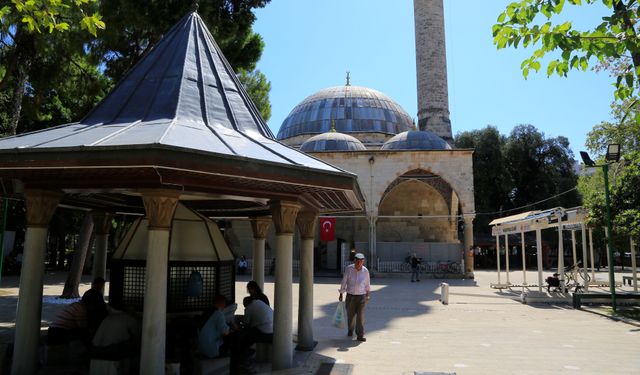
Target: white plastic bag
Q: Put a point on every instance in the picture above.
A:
(340, 316)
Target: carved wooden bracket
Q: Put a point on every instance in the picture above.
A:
(41, 204)
(260, 226)
(284, 216)
(160, 206)
(306, 222)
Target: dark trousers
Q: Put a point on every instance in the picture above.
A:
(355, 313)
(239, 343)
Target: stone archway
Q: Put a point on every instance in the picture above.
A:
(423, 204)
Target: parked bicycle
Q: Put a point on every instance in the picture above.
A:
(447, 267)
(574, 279)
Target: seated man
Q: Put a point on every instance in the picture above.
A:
(79, 320)
(257, 327)
(210, 337)
(258, 320)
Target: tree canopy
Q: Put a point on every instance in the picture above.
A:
(624, 176)
(52, 78)
(614, 40)
(40, 40)
(513, 172)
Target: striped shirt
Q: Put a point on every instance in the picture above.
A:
(73, 316)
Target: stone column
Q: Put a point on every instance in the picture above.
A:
(40, 206)
(306, 222)
(160, 206)
(468, 242)
(101, 226)
(585, 259)
(373, 242)
(260, 227)
(561, 255)
(431, 68)
(539, 257)
(284, 218)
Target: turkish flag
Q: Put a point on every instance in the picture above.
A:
(327, 229)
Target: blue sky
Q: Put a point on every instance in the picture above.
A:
(309, 45)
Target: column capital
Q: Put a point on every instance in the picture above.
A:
(160, 206)
(284, 216)
(260, 226)
(101, 222)
(306, 222)
(40, 205)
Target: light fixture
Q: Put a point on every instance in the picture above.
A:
(613, 152)
(612, 156)
(586, 159)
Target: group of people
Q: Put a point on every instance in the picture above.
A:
(112, 334)
(104, 332)
(224, 333)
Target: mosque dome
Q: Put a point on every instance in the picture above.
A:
(332, 141)
(416, 140)
(354, 109)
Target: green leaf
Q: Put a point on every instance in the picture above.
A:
(5, 11)
(584, 63)
(551, 67)
(629, 79)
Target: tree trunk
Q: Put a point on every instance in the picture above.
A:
(62, 250)
(80, 254)
(26, 48)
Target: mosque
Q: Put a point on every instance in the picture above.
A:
(418, 189)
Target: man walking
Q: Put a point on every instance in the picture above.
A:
(356, 284)
(415, 268)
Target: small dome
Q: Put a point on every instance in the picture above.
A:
(355, 110)
(332, 141)
(416, 140)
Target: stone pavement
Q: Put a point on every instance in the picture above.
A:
(481, 331)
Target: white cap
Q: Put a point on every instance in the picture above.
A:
(359, 256)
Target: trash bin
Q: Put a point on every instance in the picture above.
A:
(444, 293)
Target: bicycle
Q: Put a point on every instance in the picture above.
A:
(447, 267)
(575, 277)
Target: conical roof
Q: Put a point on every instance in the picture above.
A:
(180, 119)
(182, 94)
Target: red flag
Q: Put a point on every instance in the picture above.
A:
(327, 229)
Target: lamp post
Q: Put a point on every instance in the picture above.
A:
(613, 155)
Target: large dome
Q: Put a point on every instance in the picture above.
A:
(355, 109)
(332, 141)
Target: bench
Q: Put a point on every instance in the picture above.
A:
(628, 279)
(263, 352)
(603, 298)
(110, 367)
(603, 284)
(211, 366)
(500, 286)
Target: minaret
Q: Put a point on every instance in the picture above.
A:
(431, 68)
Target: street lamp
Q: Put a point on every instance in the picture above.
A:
(612, 156)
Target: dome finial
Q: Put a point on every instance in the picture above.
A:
(333, 126)
(195, 6)
(348, 78)
(413, 124)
